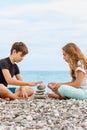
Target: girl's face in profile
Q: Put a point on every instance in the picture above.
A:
(66, 56)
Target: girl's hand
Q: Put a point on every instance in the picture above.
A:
(54, 87)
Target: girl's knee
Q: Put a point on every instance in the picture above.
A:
(62, 90)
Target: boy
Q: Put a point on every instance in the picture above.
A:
(9, 68)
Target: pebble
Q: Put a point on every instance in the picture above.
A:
(43, 114)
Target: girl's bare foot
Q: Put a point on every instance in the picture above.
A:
(51, 95)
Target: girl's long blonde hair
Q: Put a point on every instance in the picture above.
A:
(75, 55)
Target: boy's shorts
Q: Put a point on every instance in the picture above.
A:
(12, 89)
(72, 92)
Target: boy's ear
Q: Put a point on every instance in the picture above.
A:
(14, 51)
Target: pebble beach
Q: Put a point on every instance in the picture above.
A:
(43, 114)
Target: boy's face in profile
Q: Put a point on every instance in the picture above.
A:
(17, 56)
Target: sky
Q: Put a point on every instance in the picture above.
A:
(45, 26)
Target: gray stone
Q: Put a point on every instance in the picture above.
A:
(40, 92)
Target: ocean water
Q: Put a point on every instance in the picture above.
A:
(46, 77)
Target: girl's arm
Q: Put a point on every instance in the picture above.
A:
(76, 83)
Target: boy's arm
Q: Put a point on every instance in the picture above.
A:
(19, 77)
(17, 82)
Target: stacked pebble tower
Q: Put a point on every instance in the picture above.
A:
(40, 92)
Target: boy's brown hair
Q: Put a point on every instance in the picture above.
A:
(19, 47)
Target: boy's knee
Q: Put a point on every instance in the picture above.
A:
(2, 87)
(30, 91)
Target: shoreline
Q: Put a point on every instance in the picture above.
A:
(43, 114)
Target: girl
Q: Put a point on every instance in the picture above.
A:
(77, 88)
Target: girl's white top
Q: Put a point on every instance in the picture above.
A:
(80, 67)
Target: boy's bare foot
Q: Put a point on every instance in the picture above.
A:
(7, 99)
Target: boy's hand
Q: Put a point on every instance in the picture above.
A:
(35, 83)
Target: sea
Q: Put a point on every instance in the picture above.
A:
(46, 77)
